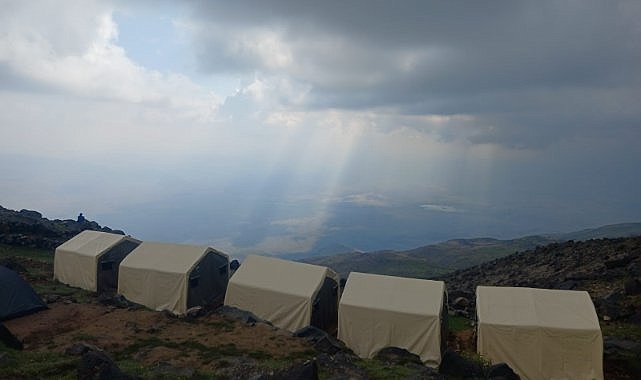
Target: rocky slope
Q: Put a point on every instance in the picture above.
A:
(29, 228)
(609, 269)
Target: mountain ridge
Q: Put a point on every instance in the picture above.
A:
(441, 258)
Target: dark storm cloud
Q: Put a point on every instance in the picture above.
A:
(530, 72)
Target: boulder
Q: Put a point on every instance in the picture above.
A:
(304, 371)
(632, 286)
(461, 303)
(454, 365)
(80, 348)
(501, 371)
(96, 365)
(399, 356)
(322, 341)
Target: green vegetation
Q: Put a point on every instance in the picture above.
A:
(457, 324)
(36, 365)
(37, 254)
(377, 370)
(621, 330)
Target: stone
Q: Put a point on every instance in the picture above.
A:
(194, 312)
(304, 371)
(96, 365)
(80, 348)
(454, 365)
(166, 370)
(501, 371)
(632, 286)
(461, 303)
(322, 341)
(396, 355)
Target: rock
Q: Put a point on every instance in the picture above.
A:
(461, 303)
(116, 300)
(194, 312)
(396, 355)
(632, 287)
(166, 370)
(454, 365)
(615, 346)
(241, 315)
(9, 339)
(568, 285)
(341, 366)
(322, 341)
(501, 371)
(31, 214)
(305, 371)
(96, 365)
(80, 348)
(51, 298)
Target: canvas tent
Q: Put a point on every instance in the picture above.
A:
(289, 294)
(90, 260)
(379, 311)
(540, 333)
(17, 298)
(173, 277)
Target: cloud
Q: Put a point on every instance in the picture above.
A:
(530, 75)
(440, 208)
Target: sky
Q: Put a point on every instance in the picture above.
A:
(282, 127)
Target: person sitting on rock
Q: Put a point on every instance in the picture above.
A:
(81, 218)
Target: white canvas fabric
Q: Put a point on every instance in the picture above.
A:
(540, 333)
(157, 274)
(379, 311)
(279, 291)
(76, 261)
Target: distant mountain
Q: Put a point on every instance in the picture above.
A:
(438, 259)
(29, 228)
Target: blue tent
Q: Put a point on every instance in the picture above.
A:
(17, 298)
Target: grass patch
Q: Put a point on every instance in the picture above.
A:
(43, 255)
(377, 370)
(456, 323)
(225, 325)
(621, 330)
(37, 365)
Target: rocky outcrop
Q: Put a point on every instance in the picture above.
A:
(27, 228)
(607, 268)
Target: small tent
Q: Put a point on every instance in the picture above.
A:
(540, 333)
(379, 311)
(90, 260)
(17, 298)
(289, 294)
(174, 277)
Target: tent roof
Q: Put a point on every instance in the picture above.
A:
(281, 276)
(92, 243)
(165, 257)
(398, 294)
(17, 298)
(528, 307)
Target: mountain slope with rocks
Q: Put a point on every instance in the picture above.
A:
(28, 228)
(609, 269)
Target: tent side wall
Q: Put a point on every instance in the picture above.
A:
(154, 289)
(109, 263)
(543, 353)
(208, 280)
(367, 331)
(75, 270)
(287, 311)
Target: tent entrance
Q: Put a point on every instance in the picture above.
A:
(325, 307)
(208, 281)
(109, 263)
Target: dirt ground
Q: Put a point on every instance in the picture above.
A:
(151, 337)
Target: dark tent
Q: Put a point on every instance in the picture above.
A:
(17, 298)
